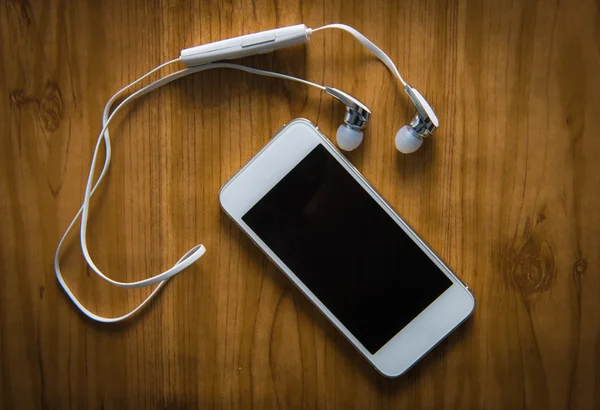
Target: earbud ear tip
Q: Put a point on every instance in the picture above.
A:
(348, 138)
(407, 140)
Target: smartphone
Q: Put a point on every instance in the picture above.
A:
(317, 218)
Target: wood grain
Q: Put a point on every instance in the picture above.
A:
(507, 193)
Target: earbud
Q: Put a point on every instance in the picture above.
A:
(407, 140)
(348, 138)
(410, 137)
(349, 135)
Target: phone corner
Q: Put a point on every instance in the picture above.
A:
(472, 302)
(224, 200)
(392, 373)
(221, 194)
(300, 120)
(470, 305)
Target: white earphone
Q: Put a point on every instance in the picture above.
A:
(349, 135)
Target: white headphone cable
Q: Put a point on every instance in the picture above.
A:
(368, 44)
(193, 254)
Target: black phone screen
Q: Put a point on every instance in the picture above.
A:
(346, 249)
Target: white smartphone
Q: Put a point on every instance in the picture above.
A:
(314, 215)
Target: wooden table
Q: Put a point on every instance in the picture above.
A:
(507, 193)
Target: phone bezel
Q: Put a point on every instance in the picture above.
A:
(285, 150)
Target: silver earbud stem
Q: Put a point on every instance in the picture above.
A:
(422, 126)
(425, 122)
(357, 114)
